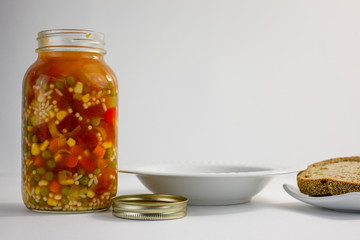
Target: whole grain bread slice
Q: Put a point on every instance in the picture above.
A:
(331, 177)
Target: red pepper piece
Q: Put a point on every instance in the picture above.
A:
(110, 114)
(109, 128)
(87, 138)
(94, 111)
(77, 106)
(88, 163)
(42, 132)
(70, 122)
(104, 181)
(64, 101)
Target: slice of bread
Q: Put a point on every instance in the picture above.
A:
(331, 177)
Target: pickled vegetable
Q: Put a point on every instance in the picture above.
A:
(69, 143)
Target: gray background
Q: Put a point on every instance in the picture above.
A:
(260, 81)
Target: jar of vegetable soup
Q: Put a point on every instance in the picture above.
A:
(69, 125)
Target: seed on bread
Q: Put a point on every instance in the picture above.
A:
(331, 177)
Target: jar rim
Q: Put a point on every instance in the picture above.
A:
(70, 40)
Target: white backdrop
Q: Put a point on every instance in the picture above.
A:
(273, 81)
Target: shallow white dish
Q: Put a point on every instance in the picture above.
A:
(349, 202)
(204, 183)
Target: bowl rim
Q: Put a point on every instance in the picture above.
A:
(161, 169)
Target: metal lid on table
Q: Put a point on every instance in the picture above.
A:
(149, 206)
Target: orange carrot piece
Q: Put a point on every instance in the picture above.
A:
(38, 161)
(54, 186)
(56, 143)
(71, 161)
(76, 150)
(99, 151)
(101, 163)
(53, 144)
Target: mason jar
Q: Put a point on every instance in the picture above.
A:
(69, 125)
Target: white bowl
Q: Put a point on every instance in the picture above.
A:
(204, 184)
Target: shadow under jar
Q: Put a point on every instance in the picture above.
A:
(69, 125)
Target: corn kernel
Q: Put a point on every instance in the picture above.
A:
(41, 97)
(35, 150)
(51, 114)
(44, 145)
(74, 191)
(43, 183)
(29, 128)
(90, 193)
(28, 189)
(107, 144)
(52, 202)
(37, 190)
(57, 157)
(65, 178)
(61, 115)
(58, 196)
(86, 98)
(78, 87)
(77, 96)
(61, 142)
(71, 142)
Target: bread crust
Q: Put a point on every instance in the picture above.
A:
(326, 185)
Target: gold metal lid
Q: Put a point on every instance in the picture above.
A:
(149, 206)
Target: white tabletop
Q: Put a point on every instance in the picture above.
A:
(272, 214)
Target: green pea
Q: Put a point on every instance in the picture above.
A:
(40, 170)
(46, 87)
(110, 85)
(96, 171)
(70, 81)
(25, 131)
(51, 163)
(86, 89)
(49, 176)
(33, 182)
(25, 148)
(42, 202)
(65, 190)
(33, 120)
(37, 177)
(32, 200)
(59, 85)
(46, 154)
(111, 101)
(109, 153)
(84, 203)
(83, 191)
(84, 180)
(95, 121)
(36, 104)
(31, 168)
(112, 164)
(34, 139)
(64, 200)
(44, 191)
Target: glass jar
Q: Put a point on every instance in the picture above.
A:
(69, 125)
